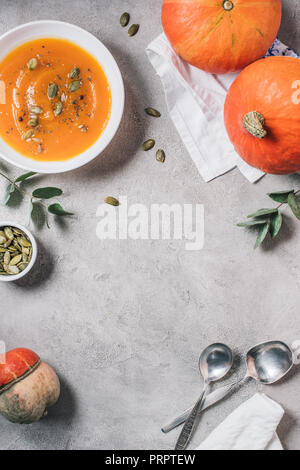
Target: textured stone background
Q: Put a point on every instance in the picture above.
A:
(123, 322)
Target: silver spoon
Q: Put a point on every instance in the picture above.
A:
(267, 363)
(214, 363)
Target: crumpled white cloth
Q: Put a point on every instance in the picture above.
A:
(195, 101)
(252, 426)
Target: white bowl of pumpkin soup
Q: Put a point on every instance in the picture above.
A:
(61, 97)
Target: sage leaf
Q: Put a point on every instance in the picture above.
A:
(46, 193)
(280, 196)
(24, 177)
(37, 214)
(275, 224)
(262, 233)
(57, 209)
(252, 223)
(294, 205)
(263, 212)
(9, 190)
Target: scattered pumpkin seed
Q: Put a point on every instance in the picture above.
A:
(52, 90)
(153, 112)
(133, 29)
(111, 200)
(75, 72)
(58, 108)
(160, 156)
(28, 134)
(124, 20)
(148, 145)
(32, 63)
(75, 85)
(36, 110)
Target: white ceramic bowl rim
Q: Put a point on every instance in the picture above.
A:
(14, 277)
(61, 30)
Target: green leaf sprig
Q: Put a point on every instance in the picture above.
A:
(271, 220)
(38, 208)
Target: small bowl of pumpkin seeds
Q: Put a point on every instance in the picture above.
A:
(18, 251)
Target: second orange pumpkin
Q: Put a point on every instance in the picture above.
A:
(221, 36)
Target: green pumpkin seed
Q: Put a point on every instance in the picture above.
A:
(6, 258)
(112, 201)
(32, 63)
(75, 72)
(75, 85)
(2, 240)
(28, 134)
(153, 112)
(148, 145)
(52, 90)
(160, 156)
(13, 270)
(33, 122)
(15, 260)
(58, 108)
(124, 20)
(22, 266)
(133, 29)
(9, 233)
(36, 110)
(23, 242)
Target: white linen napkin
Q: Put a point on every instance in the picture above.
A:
(252, 426)
(195, 101)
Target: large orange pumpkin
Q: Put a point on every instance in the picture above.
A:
(262, 114)
(221, 36)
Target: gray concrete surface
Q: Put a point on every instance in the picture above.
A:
(123, 322)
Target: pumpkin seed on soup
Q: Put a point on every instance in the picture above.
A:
(33, 122)
(36, 110)
(28, 134)
(58, 108)
(75, 72)
(124, 20)
(133, 29)
(75, 85)
(52, 90)
(32, 64)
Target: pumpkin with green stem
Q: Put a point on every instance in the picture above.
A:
(262, 115)
(221, 36)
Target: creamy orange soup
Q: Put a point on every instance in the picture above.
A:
(57, 100)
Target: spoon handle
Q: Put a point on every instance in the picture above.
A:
(210, 400)
(189, 425)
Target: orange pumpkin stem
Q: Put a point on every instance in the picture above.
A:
(254, 123)
(228, 5)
